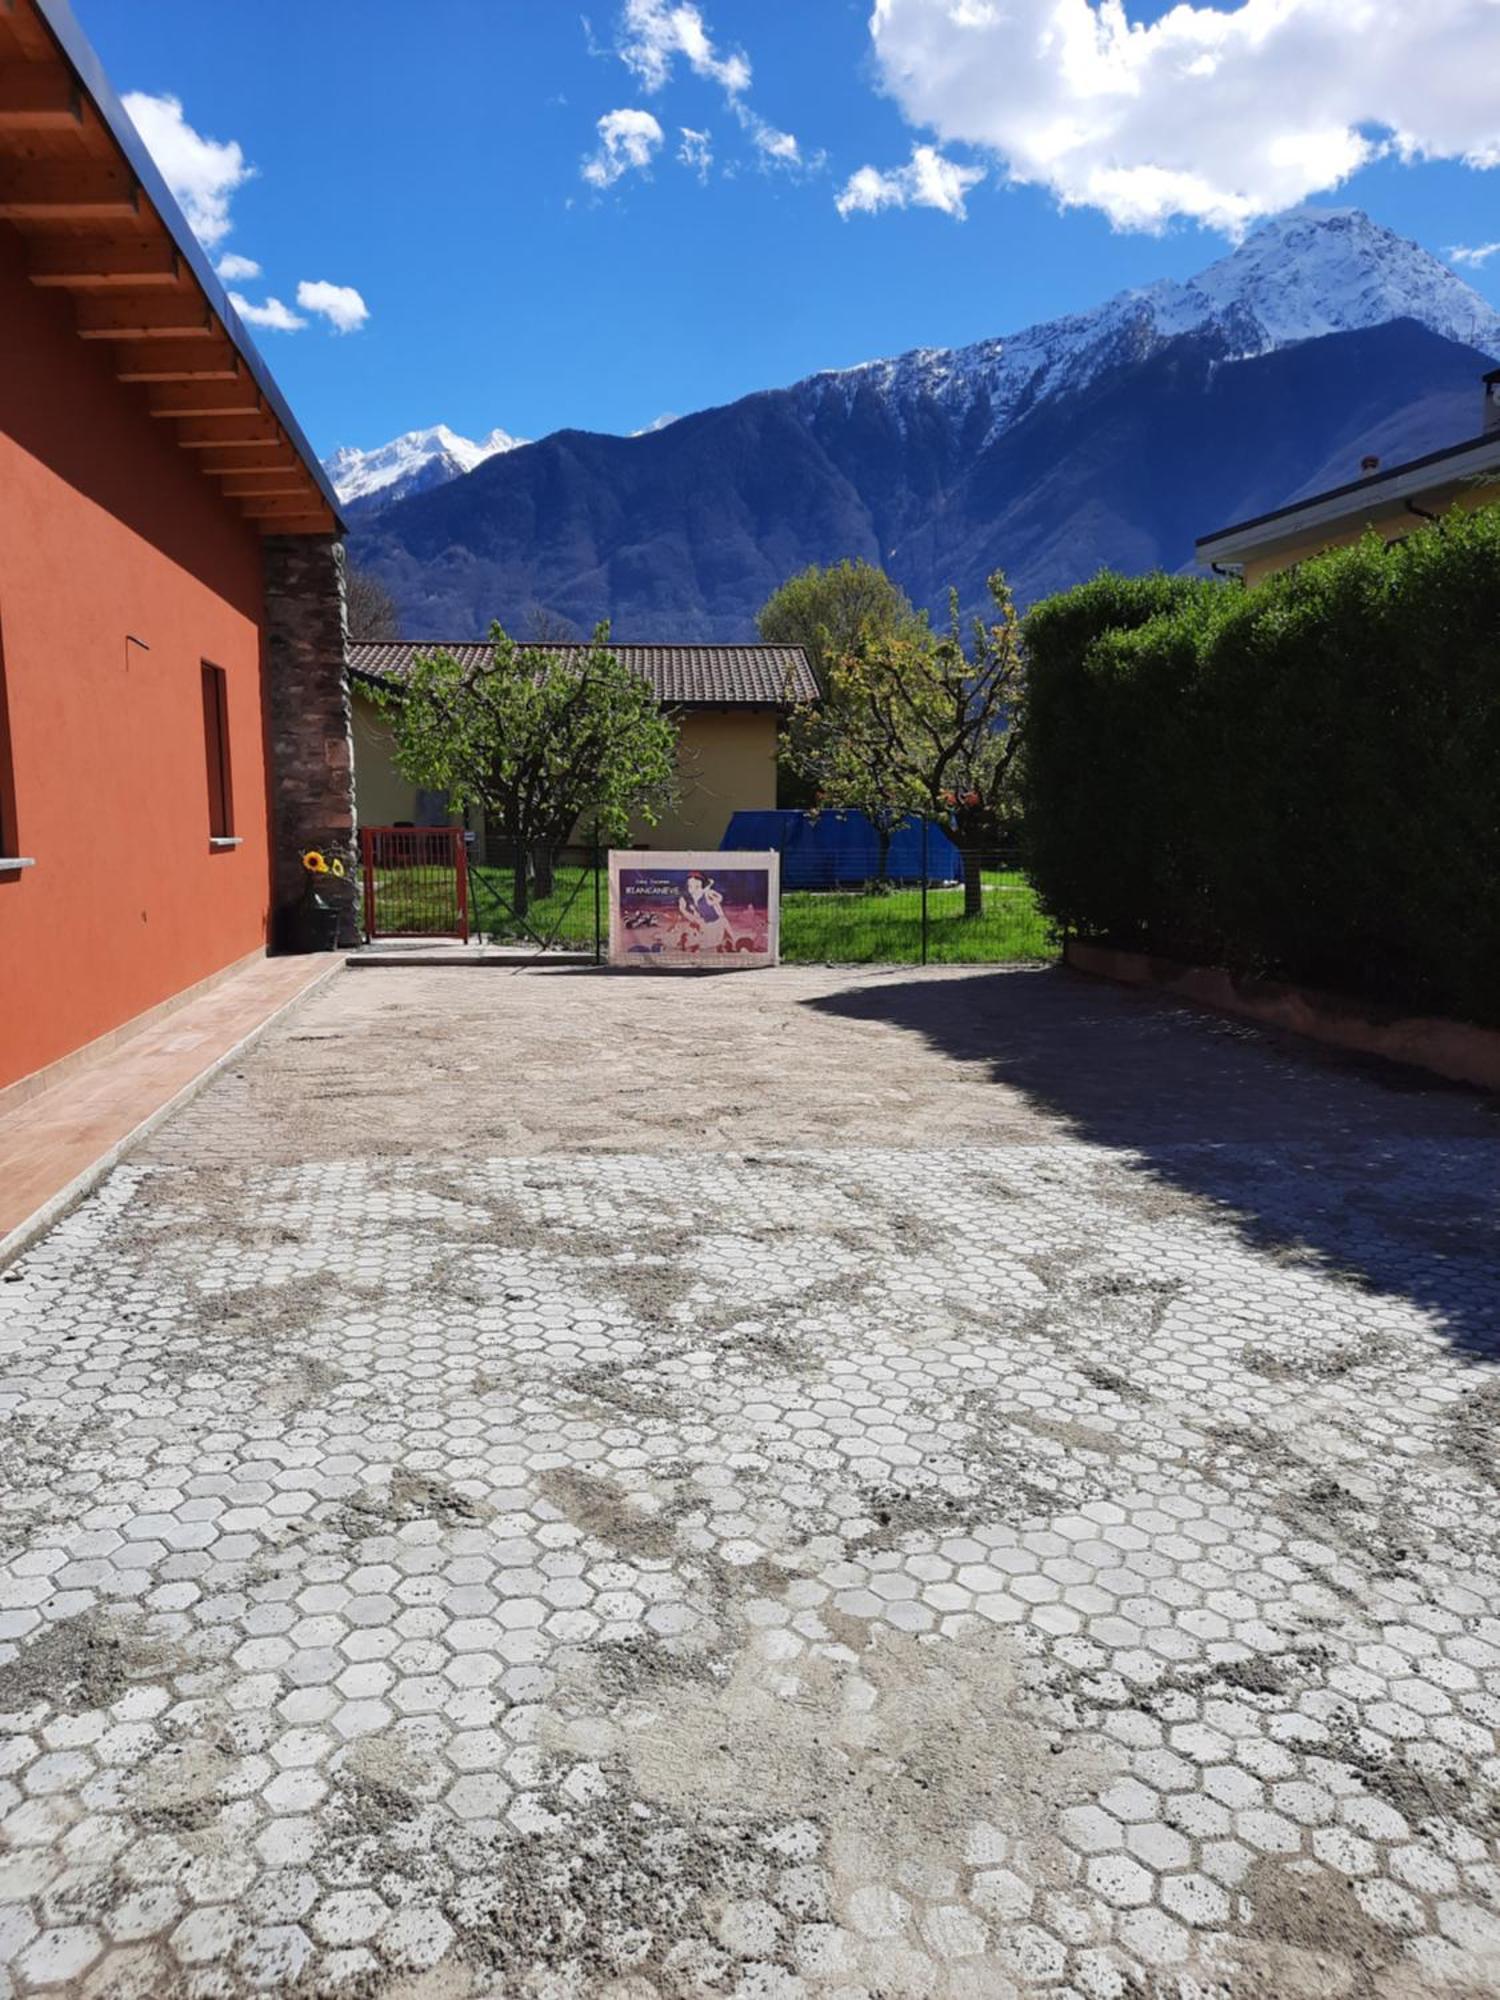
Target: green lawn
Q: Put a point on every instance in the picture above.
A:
(416, 902)
(848, 927)
(861, 927)
(565, 917)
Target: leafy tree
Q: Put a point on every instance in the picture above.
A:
(372, 610)
(918, 722)
(541, 739)
(828, 612)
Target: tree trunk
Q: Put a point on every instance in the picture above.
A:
(883, 853)
(520, 894)
(973, 860)
(543, 859)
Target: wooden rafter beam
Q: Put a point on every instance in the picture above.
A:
(25, 29)
(283, 487)
(269, 507)
(206, 399)
(50, 191)
(38, 97)
(145, 316)
(177, 361)
(103, 264)
(260, 478)
(239, 432)
(254, 458)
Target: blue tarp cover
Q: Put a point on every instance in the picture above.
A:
(832, 850)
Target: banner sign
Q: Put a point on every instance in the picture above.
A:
(713, 912)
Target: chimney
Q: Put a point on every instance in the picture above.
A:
(1368, 465)
(1492, 403)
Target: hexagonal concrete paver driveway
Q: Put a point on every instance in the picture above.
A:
(793, 1485)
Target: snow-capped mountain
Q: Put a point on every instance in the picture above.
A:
(1311, 272)
(1111, 437)
(412, 463)
(1298, 277)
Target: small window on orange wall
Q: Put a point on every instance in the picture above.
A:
(216, 753)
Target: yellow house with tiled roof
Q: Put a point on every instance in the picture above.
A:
(729, 702)
(1390, 500)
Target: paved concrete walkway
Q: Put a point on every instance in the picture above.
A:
(558, 1485)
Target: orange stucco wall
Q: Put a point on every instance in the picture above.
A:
(107, 531)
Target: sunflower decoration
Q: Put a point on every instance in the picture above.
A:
(316, 863)
(336, 867)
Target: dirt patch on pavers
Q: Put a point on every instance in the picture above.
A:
(82, 1663)
(869, 1764)
(1474, 1432)
(1315, 1940)
(410, 1496)
(340, 1078)
(900, 1743)
(602, 1510)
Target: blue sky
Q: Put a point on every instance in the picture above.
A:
(522, 266)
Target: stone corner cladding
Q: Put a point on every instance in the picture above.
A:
(311, 741)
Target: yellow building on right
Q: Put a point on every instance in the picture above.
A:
(1391, 500)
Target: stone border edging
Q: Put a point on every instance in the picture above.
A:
(52, 1211)
(36, 1081)
(1456, 1050)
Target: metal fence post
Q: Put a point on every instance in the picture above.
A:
(598, 906)
(925, 824)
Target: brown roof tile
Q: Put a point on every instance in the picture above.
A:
(683, 676)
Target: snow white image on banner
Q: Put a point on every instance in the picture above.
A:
(709, 911)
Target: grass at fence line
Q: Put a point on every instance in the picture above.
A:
(863, 926)
(566, 917)
(408, 905)
(840, 927)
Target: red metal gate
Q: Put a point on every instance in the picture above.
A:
(416, 881)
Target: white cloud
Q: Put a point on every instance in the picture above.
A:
(654, 33)
(203, 174)
(926, 181)
(273, 314)
(1473, 254)
(1217, 113)
(340, 305)
(696, 151)
(627, 140)
(233, 266)
(776, 149)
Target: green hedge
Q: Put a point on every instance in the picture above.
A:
(1301, 780)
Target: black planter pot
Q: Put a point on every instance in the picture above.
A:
(318, 924)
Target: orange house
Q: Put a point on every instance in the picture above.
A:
(174, 719)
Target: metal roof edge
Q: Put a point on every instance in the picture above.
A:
(80, 53)
(1388, 485)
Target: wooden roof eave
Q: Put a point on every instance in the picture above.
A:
(98, 224)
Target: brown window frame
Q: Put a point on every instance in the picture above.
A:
(216, 758)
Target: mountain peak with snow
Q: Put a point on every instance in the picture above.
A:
(1300, 276)
(411, 463)
(1315, 271)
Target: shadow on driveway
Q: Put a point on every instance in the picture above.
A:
(1388, 1176)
